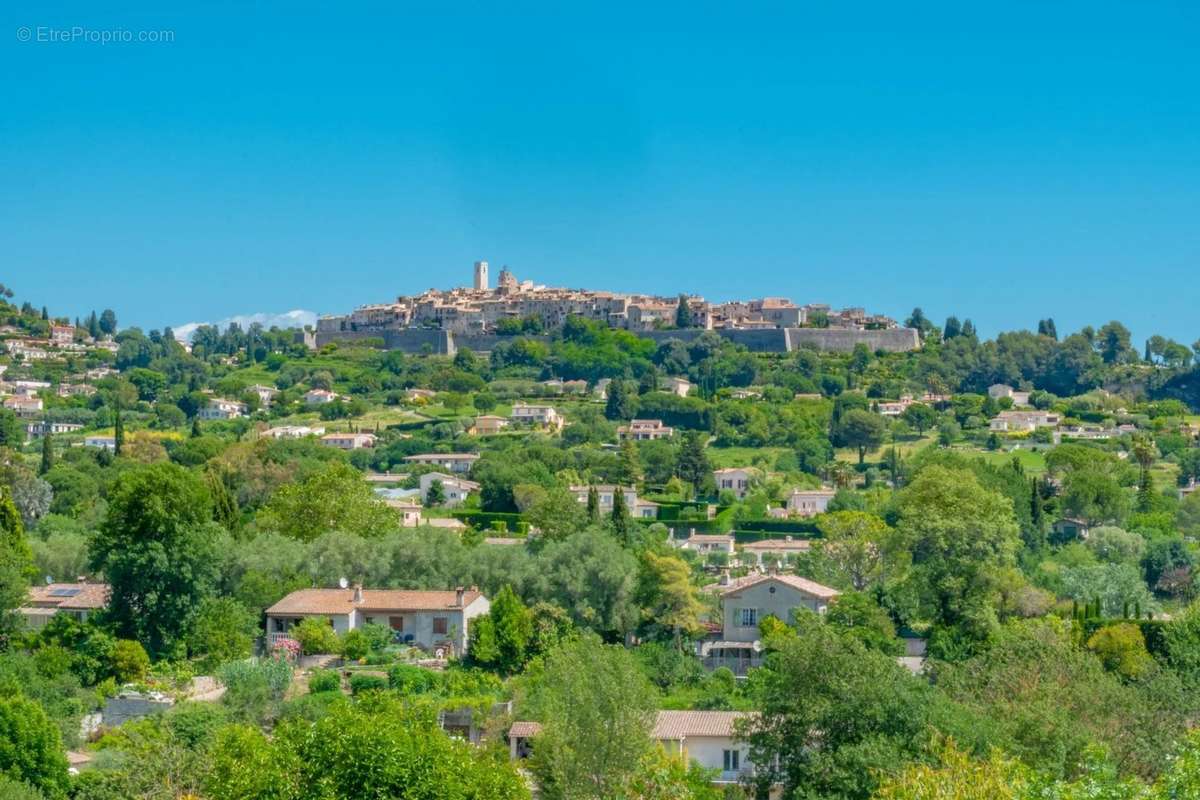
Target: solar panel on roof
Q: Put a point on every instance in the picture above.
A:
(66, 592)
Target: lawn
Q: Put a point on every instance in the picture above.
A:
(744, 456)
(1033, 462)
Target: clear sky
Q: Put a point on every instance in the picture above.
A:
(1002, 161)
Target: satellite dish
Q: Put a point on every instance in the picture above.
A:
(342, 582)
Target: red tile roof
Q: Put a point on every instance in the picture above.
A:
(72, 596)
(341, 601)
(795, 581)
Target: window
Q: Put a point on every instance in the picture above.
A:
(396, 623)
(732, 759)
(749, 617)
(440, 625)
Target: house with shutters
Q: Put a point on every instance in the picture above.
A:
(747, 601)
(435, 621)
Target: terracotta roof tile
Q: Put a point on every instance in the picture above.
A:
(341, 601)
(795, 581)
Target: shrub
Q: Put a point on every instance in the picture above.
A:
(316, 636)
(324, 680)
(129, 661)
(367, 683)
(408, 679)
(1122, 649)
(355, 645)
(16, 790)
(30, 746)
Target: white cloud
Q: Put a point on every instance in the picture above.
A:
(296, 318)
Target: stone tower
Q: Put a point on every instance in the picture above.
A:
(481, 276)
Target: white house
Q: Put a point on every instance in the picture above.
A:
(606, 492)
(24, 406)
(1000, 390)
(348, 441)
(419, 395)
(894, 408)
(451, 462)
(1023, 421)
(809, 502)
(103, 442)
(317, 397)
(644, 430)
(36, 430)
(220, 408)
(434, 621)
(409, 511)
(679, 386)
(265, 393)
(705, 543)
(454, 488)
(293, 431)
(540, 416)
(734, 479)
(757, 554)
(708, 738)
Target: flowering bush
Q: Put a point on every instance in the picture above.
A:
(288, 649)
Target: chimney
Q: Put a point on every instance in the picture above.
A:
(358, 597)
(458, 596)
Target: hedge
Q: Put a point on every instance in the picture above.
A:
(482, 520)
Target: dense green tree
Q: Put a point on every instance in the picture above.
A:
(859, 546)
(622, 402)
(597, 709)
(108, 321)
(960, 534)
(224, 630)
(837, 715)
(692, 465)
(500, 640)
(30, 747)
(374, 747)
(861, 430)
(920, 416)
(16, 562)
(333, 499)
(158, 551)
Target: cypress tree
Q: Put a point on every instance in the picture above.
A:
(47, 454)
(118, 433)
(593, 504)
(620, 516)
(196, 432)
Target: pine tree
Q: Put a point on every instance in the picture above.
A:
(631, 465)
(47, 453)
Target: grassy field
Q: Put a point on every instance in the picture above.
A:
(744, 456)
(1033, 462)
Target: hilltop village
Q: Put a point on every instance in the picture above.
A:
(519, 541)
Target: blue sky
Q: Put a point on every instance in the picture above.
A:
(1002, 162)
